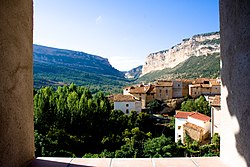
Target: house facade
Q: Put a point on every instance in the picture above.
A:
(216, 115)
(180, 119)
(195, 125)
(143, 93)
(204, 86)
(126, 103)
(198, 127)
(180, 88)
(163, 90)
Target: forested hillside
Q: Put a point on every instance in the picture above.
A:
(54, 66)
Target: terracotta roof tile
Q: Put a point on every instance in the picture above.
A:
(193, 126)
(215, 82)
(200, 80)
(164, 83)
(143, 89)
(183, 114)
(216, 101)
(200, 116)
(123, 98)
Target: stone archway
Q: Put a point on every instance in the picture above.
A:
(16, 82)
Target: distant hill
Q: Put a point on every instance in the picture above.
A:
(193, 67)
(134, 73)
(54, 66)
(197, 45)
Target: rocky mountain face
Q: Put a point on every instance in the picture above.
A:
(198, 45)
(54, 66)
(134, 73)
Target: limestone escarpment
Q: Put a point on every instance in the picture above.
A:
(198, 45)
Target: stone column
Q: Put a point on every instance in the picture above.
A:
(235, 74)
(16, 83)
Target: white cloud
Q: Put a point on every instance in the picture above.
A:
(98, 20)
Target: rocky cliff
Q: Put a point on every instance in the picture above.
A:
(198, 45)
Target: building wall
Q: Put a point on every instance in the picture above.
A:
(127, 107)
(126, 91)
(235, 93)
(205, 125)
(206, 91)
(16, 88)
(216, 90)
(195, 134)
(216, 119)
(179, 122)
(163, 93)
(194, 91)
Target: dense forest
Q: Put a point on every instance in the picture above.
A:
(71, 122)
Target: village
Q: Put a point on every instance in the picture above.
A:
(197, 126)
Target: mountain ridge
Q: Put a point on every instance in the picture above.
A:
(197, 45)
(53, 66)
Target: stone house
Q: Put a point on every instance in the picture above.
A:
(143, 93)
(180, 88)
(126, 103)
(164, 90)
(204, 86)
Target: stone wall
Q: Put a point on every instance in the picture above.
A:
(16, 88)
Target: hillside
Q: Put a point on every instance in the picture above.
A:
(193, 67)
(198, 45)
(54, 66)
(134, 73)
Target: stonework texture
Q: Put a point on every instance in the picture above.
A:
(235, 74)
(16, 88)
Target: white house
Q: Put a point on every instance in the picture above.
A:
(180, 119)
(215, 115)
(195, 124)
(200, 120)
(126, 103)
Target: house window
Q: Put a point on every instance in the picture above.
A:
(127, 111)
(179, 127)
(160, 91)
(127, 105)
(166, 91)
(178, 85)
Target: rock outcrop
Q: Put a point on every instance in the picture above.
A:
(198, 45)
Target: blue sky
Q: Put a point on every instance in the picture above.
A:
(124, 31)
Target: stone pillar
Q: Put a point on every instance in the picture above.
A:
(235, 74)
(16, 83)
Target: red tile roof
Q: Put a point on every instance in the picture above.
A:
(123, 98)
(164, 83)
(143, 89)
(200, 80)
(200, 116)
(183, 114)
(216, 101)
